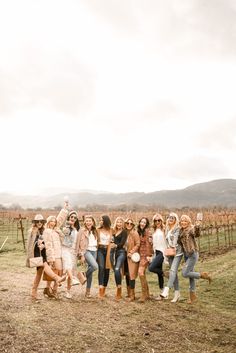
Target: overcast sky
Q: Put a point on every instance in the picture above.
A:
(116, 95)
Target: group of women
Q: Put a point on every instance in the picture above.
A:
(128, 250)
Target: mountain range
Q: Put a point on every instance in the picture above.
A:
(221, 192)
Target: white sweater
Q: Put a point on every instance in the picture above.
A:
(159, 242)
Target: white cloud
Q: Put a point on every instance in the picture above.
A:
(116, 96)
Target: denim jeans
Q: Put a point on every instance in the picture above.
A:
(120, 256)
(174, 262)
(188, 272)
(90, 257)
(103, 272)
(156, 267)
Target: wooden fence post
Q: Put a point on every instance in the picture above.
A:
(21, 227)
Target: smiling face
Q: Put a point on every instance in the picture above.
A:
(119, 224)
(184, 222)
(129, 224)
(157, 222)
(171, 220)
(88, 222)
(72, 219)
(52, 223)
(39, 224)
(142, 223)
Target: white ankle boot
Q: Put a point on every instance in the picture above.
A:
(165, 293)
(176, 296)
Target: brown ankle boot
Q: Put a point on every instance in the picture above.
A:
(131, 296)
(101, 293)
(118, 293)
(192, 298)
(205, 275)
(48, 292)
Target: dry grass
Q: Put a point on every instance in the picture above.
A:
(93, 326)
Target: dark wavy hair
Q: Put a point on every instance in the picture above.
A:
(142, 231)
(106, 222)
(76, 224)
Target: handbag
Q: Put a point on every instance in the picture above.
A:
(135, 257)
(170, 252)
(36, 261)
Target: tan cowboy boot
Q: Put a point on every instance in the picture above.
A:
(144, 294)
(192, 297)
(131, 296)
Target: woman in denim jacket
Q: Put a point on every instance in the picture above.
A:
(172, 235)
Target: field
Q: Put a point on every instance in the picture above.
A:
(93, 326)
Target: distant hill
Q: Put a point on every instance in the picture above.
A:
(220, 192)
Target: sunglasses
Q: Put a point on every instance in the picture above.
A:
(130, 223)
(37, 222)
(171, 217)
(157, 220)
(73, 217)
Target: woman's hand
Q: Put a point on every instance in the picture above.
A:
(34, 230)
(41, 247)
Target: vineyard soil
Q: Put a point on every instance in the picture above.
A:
(93, 326)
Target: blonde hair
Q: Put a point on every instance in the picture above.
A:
(156, 217)
(185, 217)
(50, 219)
(118, 219)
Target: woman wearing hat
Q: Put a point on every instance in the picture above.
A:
(52, 237)
(172, 235)
(131, 266)
(159, 246)
(69, 255)
(36, 248)
(187, 235)
(145, 252)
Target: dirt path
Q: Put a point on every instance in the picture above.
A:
(93, 326)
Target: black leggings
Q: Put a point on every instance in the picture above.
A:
(156, 267)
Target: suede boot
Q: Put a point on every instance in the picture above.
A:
(131, 296)
(118, 293)
(205, 275)
(144, 294)
(192, 298)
